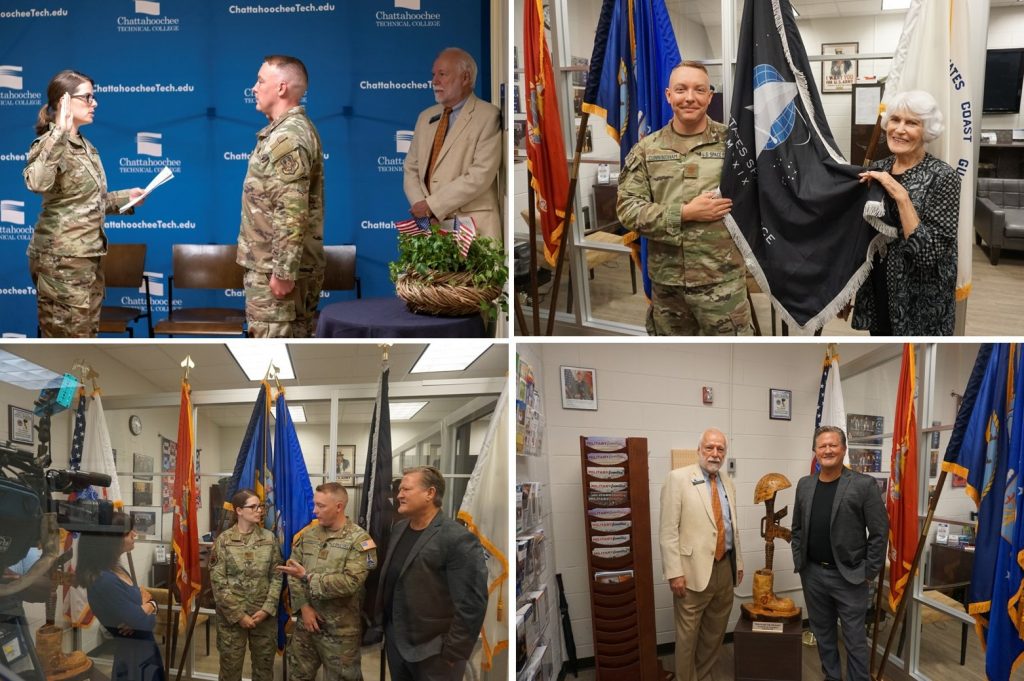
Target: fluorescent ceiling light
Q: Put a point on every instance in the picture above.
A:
(25, 374)
(449, 356)
(895, 4)
(403, 411)
(298, 413)
(255, 357)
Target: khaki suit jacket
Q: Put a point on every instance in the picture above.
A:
(465, 179)
(687, 530)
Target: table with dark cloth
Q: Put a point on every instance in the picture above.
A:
(390, 318)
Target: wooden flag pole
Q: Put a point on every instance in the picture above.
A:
(901, 608)
(532, 227)
(567, 226)
(188, 635)
(170, 613)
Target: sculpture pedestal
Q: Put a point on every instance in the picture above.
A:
(768, 656)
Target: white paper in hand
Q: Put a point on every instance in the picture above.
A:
(163, 176)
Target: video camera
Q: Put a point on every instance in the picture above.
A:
(27, 488)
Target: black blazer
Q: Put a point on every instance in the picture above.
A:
(440, 599)
(859, 530)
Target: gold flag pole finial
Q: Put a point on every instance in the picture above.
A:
(187, 364)
(384, 348)
(92, 375)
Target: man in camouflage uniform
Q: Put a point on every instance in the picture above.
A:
(667, 194)
(281, 240)
(326, 572)
(246, 587)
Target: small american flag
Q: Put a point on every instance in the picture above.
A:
(465, 233)
(413, 226)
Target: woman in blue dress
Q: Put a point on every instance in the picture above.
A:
(127, 611)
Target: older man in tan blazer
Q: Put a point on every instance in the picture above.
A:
(700, 555)
(453, 161)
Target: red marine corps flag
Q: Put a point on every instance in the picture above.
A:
(186, 537)
(545, 147)
(901, 502)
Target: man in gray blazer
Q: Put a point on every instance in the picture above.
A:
(839, 532)
(455, 157)
(433, 594)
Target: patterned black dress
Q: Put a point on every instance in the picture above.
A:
(912, 289)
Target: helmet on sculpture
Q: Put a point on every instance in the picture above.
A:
(769, 485)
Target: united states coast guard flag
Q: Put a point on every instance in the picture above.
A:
(635, 50)
(935, 54)
(797, 214)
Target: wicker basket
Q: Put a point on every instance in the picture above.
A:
(449, 294)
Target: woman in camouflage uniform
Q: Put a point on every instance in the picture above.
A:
(246, 587)
(68, 241)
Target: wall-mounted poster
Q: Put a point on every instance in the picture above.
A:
(579, 388)
(840, 74)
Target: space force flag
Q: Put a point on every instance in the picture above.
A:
(797, 205)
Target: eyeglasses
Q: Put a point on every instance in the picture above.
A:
(88, 97)
(256, 507)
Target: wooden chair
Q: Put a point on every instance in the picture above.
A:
(124, 267)
(203, 266)
(340, 273)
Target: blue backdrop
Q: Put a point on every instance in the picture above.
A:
(173, 84)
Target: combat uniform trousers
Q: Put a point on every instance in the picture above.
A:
(290, 317)
(718, 309)
(69, 294)
(309, 284)
(338, 651)
(231, 642)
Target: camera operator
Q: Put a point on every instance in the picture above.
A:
(127, 611)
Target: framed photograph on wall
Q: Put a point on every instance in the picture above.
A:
(19, 425)
(142, 493)
(780, 404)
(840, 74)
(579, 388)
(345, 467)
(146, 522)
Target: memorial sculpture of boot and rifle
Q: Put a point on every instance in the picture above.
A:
(767, 607)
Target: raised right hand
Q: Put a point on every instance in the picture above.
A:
(64, 120)
(706, 208)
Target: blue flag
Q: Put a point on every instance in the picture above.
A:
(293, 496)
(1005, 649)
(255, 457)
(986, 449)
(797, 214)
(376, 506)
(629, 70)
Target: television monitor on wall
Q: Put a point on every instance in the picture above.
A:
(1004, 71)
